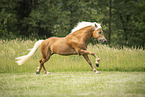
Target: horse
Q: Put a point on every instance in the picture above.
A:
(75, 43)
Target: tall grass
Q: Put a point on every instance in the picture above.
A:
(112, 59)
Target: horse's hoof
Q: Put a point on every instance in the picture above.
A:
(98, 59)
(97, 72)
(47, 72)
(97, 64)
(37, 72)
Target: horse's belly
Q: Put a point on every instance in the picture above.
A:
(62, 49)
(67, 52)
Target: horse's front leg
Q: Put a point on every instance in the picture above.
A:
(90, 63)
(91, 53)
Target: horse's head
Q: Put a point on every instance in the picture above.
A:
(98, 34)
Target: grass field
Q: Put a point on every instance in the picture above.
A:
(122, 73)
(73, 84)
(112, 59)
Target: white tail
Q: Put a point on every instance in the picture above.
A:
(23, 59)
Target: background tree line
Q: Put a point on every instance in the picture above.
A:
(123, 21)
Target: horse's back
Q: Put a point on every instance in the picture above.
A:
(58, 45)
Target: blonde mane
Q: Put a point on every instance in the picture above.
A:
(83, 24)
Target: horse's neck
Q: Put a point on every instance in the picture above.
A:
(82, 35)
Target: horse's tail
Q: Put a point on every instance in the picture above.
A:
(24, 58)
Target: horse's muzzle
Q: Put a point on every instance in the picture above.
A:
(103, 41)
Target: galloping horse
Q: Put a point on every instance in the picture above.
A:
(74, 43)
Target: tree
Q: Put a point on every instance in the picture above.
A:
(125, 18)
(44, 18)
(7, 18)
(110, 15)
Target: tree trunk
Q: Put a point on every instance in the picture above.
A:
(110, 14)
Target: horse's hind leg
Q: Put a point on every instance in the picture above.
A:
(39, 68)
(42, 61)
(46, 72)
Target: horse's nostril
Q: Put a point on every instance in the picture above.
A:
(105, 41)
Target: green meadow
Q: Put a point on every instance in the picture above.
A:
(122, 73)
(73, 84)
(111, 59)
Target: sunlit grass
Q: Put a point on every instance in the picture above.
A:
(71, 75)
(126, 59)
(73, 84)
(112, 59)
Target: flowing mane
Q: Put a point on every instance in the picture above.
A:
(83, 24)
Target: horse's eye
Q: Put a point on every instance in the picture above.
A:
(99, 32)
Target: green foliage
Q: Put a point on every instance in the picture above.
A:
(7, 18)
(125, 19)
(46, 18)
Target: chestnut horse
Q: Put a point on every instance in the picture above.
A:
(74, 43)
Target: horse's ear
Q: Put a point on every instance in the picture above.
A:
(96, 25)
